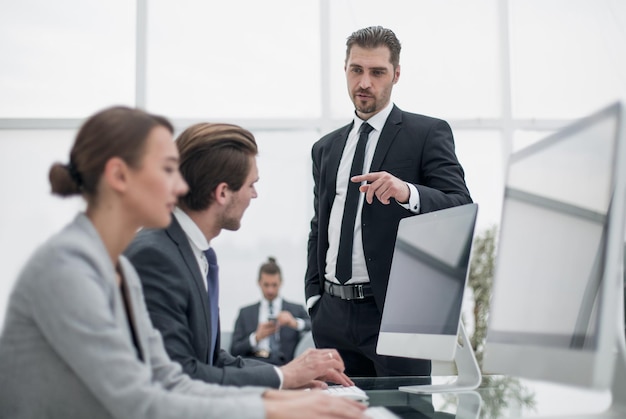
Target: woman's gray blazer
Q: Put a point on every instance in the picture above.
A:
(66, 349)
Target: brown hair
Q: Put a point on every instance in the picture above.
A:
(211, 154)
(270, 268)
(113, 132)
(373, 37)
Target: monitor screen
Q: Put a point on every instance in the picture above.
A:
(426, 284)
(559, 255)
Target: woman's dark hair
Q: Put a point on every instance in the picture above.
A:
(113, 132)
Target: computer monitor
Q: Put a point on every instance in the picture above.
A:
(558, 279)
(421, 317)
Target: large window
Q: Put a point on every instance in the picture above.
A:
(66, 58)
(449, 59)
(234, 59)
(504, 73)
(568, 58)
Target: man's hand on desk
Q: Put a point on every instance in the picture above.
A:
(312, 368)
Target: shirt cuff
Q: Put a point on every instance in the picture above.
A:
(311, 301)
(414, 199)
(301, 324)
(252, 339)
(280, 377)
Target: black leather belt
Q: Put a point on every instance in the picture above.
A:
(349, 292)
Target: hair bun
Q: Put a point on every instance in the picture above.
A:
(61, 181)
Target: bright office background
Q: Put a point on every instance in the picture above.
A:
(503, 73)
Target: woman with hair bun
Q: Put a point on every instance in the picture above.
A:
(77, 340)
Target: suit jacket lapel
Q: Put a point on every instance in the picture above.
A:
(389, 132)
(134, 300)
(178, 236)
(334, 157)
(254, 319)
(89, 236)
(121, 316)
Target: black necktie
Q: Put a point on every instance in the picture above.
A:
(213, 289)
(343, 272)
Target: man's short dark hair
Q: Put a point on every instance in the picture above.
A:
(373, 37)
(211, 154)
(270, 268)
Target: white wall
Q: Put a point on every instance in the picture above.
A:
(282, 78)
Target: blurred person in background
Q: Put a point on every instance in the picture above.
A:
(270, 329)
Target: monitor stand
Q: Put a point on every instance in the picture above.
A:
(617, 410)
(468, 405)
(468, 372)
(618, 386)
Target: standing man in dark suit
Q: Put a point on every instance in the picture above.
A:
(405, 165)
(179, 271)
(270, 329)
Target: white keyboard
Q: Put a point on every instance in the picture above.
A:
(352, 392)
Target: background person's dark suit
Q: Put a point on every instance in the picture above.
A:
(178, 305)
(414, 148)
(247, 322)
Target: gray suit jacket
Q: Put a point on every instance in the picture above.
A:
(67, 352)
(178, 305)
(248, 320)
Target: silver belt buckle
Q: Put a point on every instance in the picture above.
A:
(359, 291)
(262, 353)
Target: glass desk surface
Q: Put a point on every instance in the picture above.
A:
(497, 397)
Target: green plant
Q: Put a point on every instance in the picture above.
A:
(480, 281)
(497, 392)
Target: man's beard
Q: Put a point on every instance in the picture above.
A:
(369, 109)
(229, 222)
(364, 108)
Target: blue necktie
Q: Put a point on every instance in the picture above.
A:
(343, 271)
(213, 290)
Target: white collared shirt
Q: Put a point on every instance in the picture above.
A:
(198, 242)
(359, 269)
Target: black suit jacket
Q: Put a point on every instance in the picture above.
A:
(415, 148)
(177, 301)
(247, 323)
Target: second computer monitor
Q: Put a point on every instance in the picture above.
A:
(426, 284)
(558, 277)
